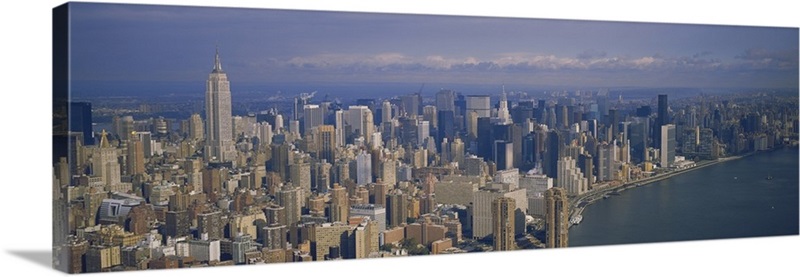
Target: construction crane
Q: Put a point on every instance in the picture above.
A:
(307, 96)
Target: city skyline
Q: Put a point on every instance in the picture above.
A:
(284, 201)
(165, 44)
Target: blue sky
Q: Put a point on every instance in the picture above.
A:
(176, 44)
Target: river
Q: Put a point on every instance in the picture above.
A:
(732, 199)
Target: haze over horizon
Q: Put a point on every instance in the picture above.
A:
(145, 44)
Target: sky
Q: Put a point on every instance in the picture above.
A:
(142, 43)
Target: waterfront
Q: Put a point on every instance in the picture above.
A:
(725, 200)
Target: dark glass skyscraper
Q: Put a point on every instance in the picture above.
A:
(80, 120)
(661, 120)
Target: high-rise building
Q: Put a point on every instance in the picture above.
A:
(479, 104)
(503, 223)
(291, 198)
(135, 157)
(552, 154)
(667, 145)
(556, 218)
(445, 100)
(196, 130)
(340, 207)
(300, 176)
(661, 119)
(364, 168)
(503, 116)
(340, 128)
(326, 142)
(482, 210)
(570, 177)
(374, 212)
(105, 163)
(312, 117)
(397, 208)
(219, 129)
(210, 224)
(80, 120)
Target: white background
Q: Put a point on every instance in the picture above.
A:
(25, 195)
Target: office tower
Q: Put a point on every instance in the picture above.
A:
(196, 130)
(80, 120)
(552, 154)
(557, 218)
(457, 152)
(503, 154)
(105, 163)
(135, 157)
(325, 142)
(408, 131)
(264, 133)
(667, 145)
(386, 111)
(445, 126)
(312, 117)
(388, 169)
(639, 137)
(397, 208)
(503, 223)
(364, 168)
(210, 224)
(219, 132)
(412, 104)
(340, 207)
(661, 119)
(280, 161)
(503, 116)
(485, 138)
(472, 125)
(423, 131)
(300, 176)
(321, 176)
(606, 163)
(291, 198)
(429, 113)
(339, 122)
(374, 212)
(479, 104)
(689, 141)
(586, 165)
(445, 100)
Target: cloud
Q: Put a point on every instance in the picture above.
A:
(760, 58)
(522, 62)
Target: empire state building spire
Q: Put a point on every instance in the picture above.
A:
(217, 63)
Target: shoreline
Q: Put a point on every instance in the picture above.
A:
(579, 204)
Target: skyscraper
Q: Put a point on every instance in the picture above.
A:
(556, 218)
(312, 117)
(219, 133)
(339, 206)
(662, 119)
(667, 145)
(80, 120)
(480, 104)
(503, 223)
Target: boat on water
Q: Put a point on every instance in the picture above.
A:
(769, 177)
(575, 220)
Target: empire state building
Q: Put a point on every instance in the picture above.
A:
(219, 133)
